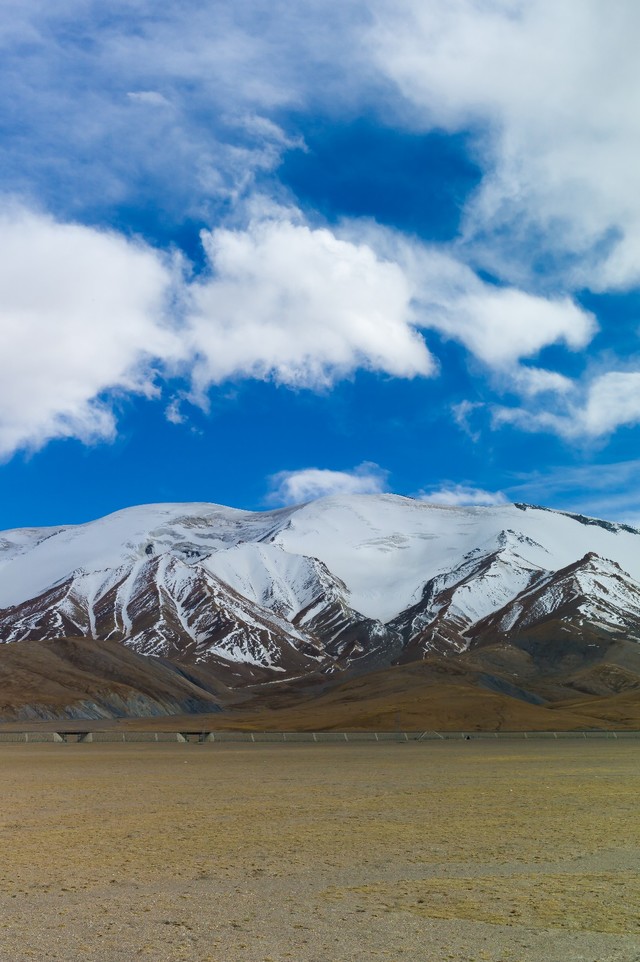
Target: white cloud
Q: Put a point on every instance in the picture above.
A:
(172, 412)
(549, 91)
(267, 130)
(301, 306)
(613, 400)
(82, 312)
(531, 381)
(151, 98)
(75, 82)
(593, 410)
(500, 325)
(552, 91)
(454, 495)
(463, 414)
(85, 312)
(307, 484)
(608, 402)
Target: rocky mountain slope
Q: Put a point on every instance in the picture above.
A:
(79, 678)
(330, 589)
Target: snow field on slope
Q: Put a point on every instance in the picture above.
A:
(490, 590)
(384, 548)
(270, 576)
(120, 539)
(601, 588)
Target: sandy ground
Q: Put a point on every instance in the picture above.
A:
(321, 853)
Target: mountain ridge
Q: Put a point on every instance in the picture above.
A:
(333, 588)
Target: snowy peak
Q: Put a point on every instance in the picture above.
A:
(487, 578)
(337, 584)
(160, 605)
(593, 590)
(612, 526)
(284, 583)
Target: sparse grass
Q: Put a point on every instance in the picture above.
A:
(359, 852)
(605, 902)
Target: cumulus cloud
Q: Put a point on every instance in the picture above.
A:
(307, 484)
(454, 495)
(552, 91)
(82, 312)
(86, 312)
(547, 91)
(301, 306)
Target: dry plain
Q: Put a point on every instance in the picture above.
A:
(501, 852)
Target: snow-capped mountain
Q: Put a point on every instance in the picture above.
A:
(346, 582)
(593, 591)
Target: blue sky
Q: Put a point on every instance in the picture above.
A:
(255, 253)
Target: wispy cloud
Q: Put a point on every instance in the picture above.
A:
(149, 97)
(170, 101)
(591, 411)
(552, 89)
(600, 489)
(173, 413)
(455, 495)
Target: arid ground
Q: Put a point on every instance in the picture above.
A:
(418, 852)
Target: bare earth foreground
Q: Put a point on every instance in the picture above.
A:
(261, 853)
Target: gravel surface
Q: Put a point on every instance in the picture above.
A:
(502, 852)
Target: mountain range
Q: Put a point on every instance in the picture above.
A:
(171, 608)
